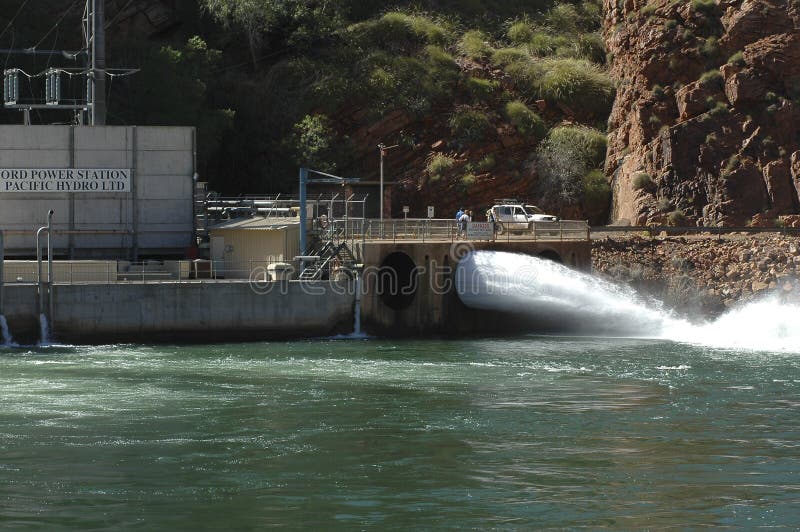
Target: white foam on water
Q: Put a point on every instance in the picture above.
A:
(564, 299)
(8, 340)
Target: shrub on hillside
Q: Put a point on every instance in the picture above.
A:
(563, 18)
(563, 159)
(486, 163)
(526, 121)
(712, 78)
(526, 75)
(577, 84)
(480, 89)
(469, 125)
(596, 199)
(543, 44)
(642, 181)
(467, 181)
(506, 56)
(677, 218)
(438, 165)
(408, 83)
(400, 32)
(475, 45)
(520, 32)
(592, 47)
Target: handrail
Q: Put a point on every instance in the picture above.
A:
(425, 229)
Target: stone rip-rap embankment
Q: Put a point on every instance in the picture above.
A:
(703, 276)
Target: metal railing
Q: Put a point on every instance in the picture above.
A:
(108, 272)
(424, 229)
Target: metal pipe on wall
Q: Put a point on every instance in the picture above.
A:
(2, 263)
(50, 268)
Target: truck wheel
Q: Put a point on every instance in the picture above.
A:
(499, 228)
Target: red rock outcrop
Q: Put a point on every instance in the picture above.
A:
(708, 106)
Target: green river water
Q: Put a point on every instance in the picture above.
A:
(519, 433)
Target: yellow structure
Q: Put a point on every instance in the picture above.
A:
(240, 247)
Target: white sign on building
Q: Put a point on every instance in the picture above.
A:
(65, 180)
(480, 230)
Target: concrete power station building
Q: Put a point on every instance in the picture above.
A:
(117, 192)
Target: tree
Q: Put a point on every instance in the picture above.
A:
(255, 17)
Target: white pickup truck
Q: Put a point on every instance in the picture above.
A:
(516, 217)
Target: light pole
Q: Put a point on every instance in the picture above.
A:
(383, 149)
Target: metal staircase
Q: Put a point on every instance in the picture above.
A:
(331, 256)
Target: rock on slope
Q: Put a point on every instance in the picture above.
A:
(706, 125)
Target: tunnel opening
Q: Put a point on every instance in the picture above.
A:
(549, 254)
(397, 283)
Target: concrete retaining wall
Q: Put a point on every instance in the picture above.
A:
(186, 312)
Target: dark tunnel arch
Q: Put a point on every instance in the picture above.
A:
(552, 255)
(397, 282)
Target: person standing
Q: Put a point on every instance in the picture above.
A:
(459, 213)
(463, 221)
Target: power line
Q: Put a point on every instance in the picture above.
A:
(54, 26)
(10, 22)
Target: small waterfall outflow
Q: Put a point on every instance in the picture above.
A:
(44, 330)
(357, 312)
(6, 333)
(556, 298)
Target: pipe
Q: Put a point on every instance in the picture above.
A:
(2, 261)
(303, 179)
(39, 276)
(39, 287)
(50, 268)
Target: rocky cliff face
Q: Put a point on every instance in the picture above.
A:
(706, 125)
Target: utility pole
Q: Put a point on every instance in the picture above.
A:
(96, 44)
(383, 149)
(93, 106)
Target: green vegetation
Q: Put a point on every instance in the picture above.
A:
(737, 59)
(273, 84)
(505, 56)
(711, 78)
(642, 181)
(467, 181)
(578, 84)
(474, 44)
(596, 199)
(313, 140)
(704, 6)
(438, 165)
(677, 218)
(732, 164)
(520, 32)
(469, 125)
(710, 47)
(564, 160)
(480, 89)
(487, 163)
(527, 122)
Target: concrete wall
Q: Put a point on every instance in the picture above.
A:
(188, 311)
(157, 216)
